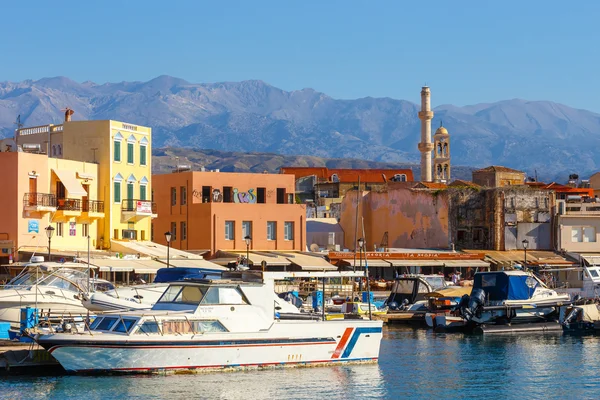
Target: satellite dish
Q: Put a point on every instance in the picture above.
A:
(314, 248)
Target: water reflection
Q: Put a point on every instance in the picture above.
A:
(413, 364)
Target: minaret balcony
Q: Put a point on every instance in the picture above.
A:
(425, 114)
(425, 147)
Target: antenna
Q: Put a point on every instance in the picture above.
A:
(18, 122)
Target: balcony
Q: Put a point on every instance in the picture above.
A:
(135, 210)
(39, 202)
(92, 209)
(67, 208)
(579, 208)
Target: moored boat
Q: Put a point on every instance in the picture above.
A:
(230, 323)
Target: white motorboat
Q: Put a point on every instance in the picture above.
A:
(224, 324)
(49, 287)
(510, 296)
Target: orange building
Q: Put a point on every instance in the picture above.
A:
(216, 210)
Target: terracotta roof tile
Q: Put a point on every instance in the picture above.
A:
(460, 182)
(430, 185)
(498, 168)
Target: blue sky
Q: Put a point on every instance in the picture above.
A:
(467, 51)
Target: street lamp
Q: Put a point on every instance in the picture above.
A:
(525, 244)
(168, 239)
(248, 239)
(49, 233)
(361, 243)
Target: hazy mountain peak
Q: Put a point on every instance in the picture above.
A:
(254, 116)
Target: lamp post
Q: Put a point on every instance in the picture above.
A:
(525, 244)
(168, 239)
(361, 243)
(49, 233)
(248, 239)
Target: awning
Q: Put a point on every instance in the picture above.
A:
(257, 259)
(83, 175)
(372, 263)
(311, 263)
(141, 266)
(415, 263)
(467, 263)
(151, 249)
(112, 265)
(70, 182)
(193, 264)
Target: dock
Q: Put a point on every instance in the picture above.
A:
(412, 317)
(17, 358)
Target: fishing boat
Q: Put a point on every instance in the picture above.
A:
(48, 286)
(407, 302)
(516, 296)
(223, 324)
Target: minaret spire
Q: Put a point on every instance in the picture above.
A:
(425, 146)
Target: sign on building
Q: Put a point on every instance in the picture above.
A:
(144, 207)
(72, 229)
(33, 226)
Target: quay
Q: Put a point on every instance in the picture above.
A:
(17, 358)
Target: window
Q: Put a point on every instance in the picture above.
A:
(117, 151)
(84, 230)
(129, 153)
(173, 231)
(183, 195)
(173, 196)
(229, 230)
(335, 178)
(143, 154)
(124, 325)
(59, 149)
(147, 328)
(280, 195)
(142, 192)
(583, 234)
(246, 229)
(130, 190)
(206, 191)
(290, 199)
(183, 231)
(60, 190)
(260, 195)
(59, 229)
(227, 190)
(271, 230)
(117, 191)
(288, 230)
(106, 324)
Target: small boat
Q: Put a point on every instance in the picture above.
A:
(581, 319)
(442, 314)
(224, 324)
(407, 302)
(50, 287)
(503, 297)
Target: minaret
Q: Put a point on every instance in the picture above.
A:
(425, 147)
(441, 155)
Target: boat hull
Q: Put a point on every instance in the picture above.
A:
(330, 342)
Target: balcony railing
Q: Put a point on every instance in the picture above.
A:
(95, 206)
(138, 206)
(39, 200)
(69, 204)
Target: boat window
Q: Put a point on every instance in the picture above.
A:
(488, 280)
(59, 282)
(190, 327)
(405, 286)
(436, 282)
(594, 273)
(423, 288)
(95, 323)
(124, 325)
(106, 324)
(223, 295)
(170, 294)
(148, 327)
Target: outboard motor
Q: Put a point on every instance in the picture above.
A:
(475, 302)
(404, 305)
(393, 306)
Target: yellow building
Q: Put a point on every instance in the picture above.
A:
(122, 153)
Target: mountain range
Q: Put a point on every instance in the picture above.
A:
(550, 139)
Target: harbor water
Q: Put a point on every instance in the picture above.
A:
(413, 364)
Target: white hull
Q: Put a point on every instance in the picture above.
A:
(140, 297)
(285, 343)
(11, 305)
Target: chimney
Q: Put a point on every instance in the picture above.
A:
(68, 113)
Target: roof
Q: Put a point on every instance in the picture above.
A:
(462, 183)
(498, 168)
(441, 131)
(348, 175)
(559, 188)
(430, 185)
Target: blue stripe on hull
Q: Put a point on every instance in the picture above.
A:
(354, 339)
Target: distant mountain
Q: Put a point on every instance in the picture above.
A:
(252, 116)
(165, 160)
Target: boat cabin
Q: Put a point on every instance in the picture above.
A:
(500, 286)
(410, 289)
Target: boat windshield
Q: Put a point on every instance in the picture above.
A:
(25, 280)
(436, 282)
(203, 294)
(67, 279)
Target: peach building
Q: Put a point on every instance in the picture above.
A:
(216, 210)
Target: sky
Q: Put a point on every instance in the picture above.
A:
(468, 52)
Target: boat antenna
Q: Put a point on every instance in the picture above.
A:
(367, 270)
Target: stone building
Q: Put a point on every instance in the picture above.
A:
(441, 155)
(498, 176)
(501, 218)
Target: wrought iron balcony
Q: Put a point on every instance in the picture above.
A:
(94, 206)
(69, 204)
(36, 200)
